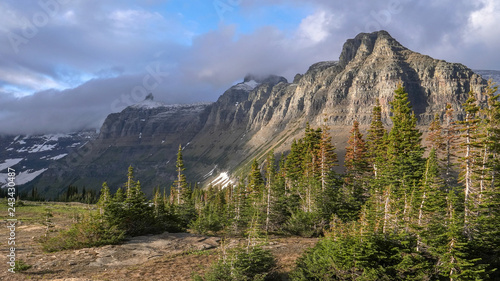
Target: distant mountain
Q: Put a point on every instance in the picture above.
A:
(30, 156)
(489, 74)
(260, 114)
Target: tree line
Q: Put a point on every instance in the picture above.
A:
(400, 211)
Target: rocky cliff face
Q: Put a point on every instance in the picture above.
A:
(261, 114)
(370, 67)
(146, 136)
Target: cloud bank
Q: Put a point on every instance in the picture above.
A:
(65, 65)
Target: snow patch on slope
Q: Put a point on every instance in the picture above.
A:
(57, 157)
(222, 180)
(9, 163)
(22, 177)
(38, 148)
(209, 174)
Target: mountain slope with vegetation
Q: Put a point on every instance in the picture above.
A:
(263, 114)
(394, 214)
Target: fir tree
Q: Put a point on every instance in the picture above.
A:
(255, 180)
(356, 160)
(450, 136)
(376, 141)
(179, 189)
(435, 137)
(271, 175)
(104, 199)
(470, 136)
(404, 151)
(130, 181)
(327, 157)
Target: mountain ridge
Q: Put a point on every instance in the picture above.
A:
(247, 121)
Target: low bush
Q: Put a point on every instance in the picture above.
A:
(90, 232)
(305, 224)
(255, 264)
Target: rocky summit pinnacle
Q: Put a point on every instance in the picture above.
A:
(150, 97)
(265, 114)
(363, 45)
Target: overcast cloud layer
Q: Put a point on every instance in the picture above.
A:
(65, 65)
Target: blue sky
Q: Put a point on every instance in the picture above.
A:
(65, 65)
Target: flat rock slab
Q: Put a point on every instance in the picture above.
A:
(139, 249)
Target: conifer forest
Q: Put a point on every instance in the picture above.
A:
(406, 207)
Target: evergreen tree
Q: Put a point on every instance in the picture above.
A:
(119, 196)
(355, 189)
(404, 151)
(470, 144)
(270, 195)
(487, 240)
(104, 199)
(327, 157)
(435, 137)
(356, 159)
(450, 136)
(431, 206)
(376, 141)
(179, 189)
(130, 181)
(454, 262)
(255, 181)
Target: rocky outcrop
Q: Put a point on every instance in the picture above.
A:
(264, 113)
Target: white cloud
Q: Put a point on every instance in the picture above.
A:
(29, 80)
(131, 19)
(484, 24)
(316, 27)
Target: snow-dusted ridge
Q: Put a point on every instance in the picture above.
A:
(31, 155)
(150, 103)
(249, 85)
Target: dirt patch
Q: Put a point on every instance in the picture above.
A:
(167, 256)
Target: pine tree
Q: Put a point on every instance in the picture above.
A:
(404, 150)
(435, 137)
(327, 157)
(119, 196)
(356, 159)
(104, 199)
(431, 204)
(130, 181)
(376, 141)
(470, 136)
(487, 239)
(179, 191)
(355, 185)
(271, 175)
(255, 180)
(450, 135)
(455, 262)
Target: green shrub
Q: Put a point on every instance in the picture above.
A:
(90, 232)
(207, 223)
(20, 265)
(305, 224)
(255, 264)
(372, 258)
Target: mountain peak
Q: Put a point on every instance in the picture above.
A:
(148, 103)
(269, 79)
(363, 45)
